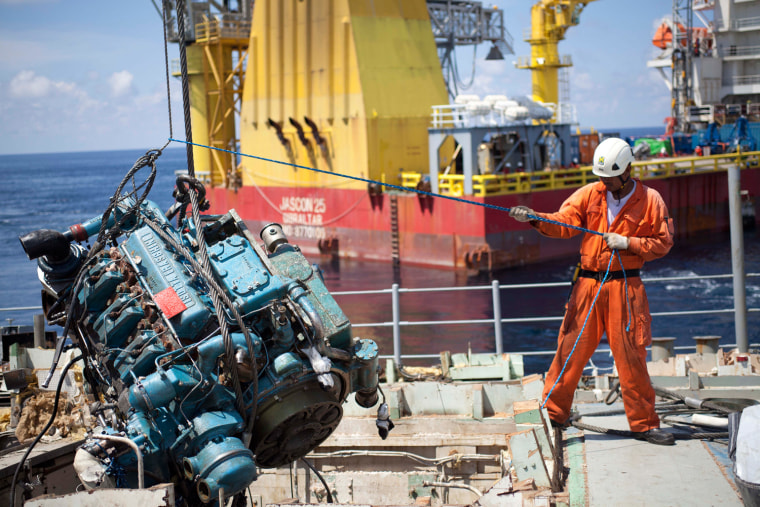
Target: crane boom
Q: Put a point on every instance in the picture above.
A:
(550, 19)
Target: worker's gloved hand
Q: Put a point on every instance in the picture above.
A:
(520, 213)
(616, 241)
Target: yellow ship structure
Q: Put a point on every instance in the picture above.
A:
(358, 91)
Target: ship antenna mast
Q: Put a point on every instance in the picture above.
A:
(681, 75)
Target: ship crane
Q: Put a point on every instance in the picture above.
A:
(217, 36)
(550, 19)
(466, 23)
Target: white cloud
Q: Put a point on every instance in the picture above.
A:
(121, 83)
(27, 84)
(32, 87)
(62, 115)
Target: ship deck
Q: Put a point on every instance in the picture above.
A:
(608, 470)
(601, 470)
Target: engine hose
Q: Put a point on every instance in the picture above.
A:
(44, 431)
(324, 483)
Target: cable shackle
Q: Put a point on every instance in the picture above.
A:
(185, 182)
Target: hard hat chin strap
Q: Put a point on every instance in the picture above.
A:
(623, 182)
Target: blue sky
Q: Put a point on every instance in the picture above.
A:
(81, 75)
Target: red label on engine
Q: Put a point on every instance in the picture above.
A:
(169, 302)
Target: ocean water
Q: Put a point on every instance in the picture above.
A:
(54, 191)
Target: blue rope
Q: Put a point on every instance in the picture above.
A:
(457, 199)
(627, 300)
(389, 185)
(627, 326)
(579, 334)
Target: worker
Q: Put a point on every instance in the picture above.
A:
(698, 151)
(634, 222)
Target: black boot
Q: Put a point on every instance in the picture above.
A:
(655, 436)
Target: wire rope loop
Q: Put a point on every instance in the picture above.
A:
(185, 182)
(150, 157)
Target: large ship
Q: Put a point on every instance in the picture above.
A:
(358, 144)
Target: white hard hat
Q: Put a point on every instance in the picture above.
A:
(612, 157)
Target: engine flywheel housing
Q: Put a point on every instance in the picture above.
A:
(294, 423)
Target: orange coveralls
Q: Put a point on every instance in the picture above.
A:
(644, 220)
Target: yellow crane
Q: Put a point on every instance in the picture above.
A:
(550, 19)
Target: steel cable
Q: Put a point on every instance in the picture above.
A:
(218, 307)
(215, 289)
(706, 404)
(185, 84)
(628, 433)
(165, 21)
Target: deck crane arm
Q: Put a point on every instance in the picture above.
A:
(550, 19)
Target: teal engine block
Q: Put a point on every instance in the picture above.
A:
(207, 397)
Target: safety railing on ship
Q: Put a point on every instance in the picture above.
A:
(746, 23)
(522, 182)
(752, 79)
(215, 29)
(748, 50)
(398, 322)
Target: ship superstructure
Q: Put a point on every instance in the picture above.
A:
(710, 61)
(346, 124)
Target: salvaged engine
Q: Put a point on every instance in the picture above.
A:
(214, 358)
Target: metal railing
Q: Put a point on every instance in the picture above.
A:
(212, 30)
(730, 51)
(522, 182)
(750, 23)
(529, 62)
(397, 322)
(699, 5)
(745, 80)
